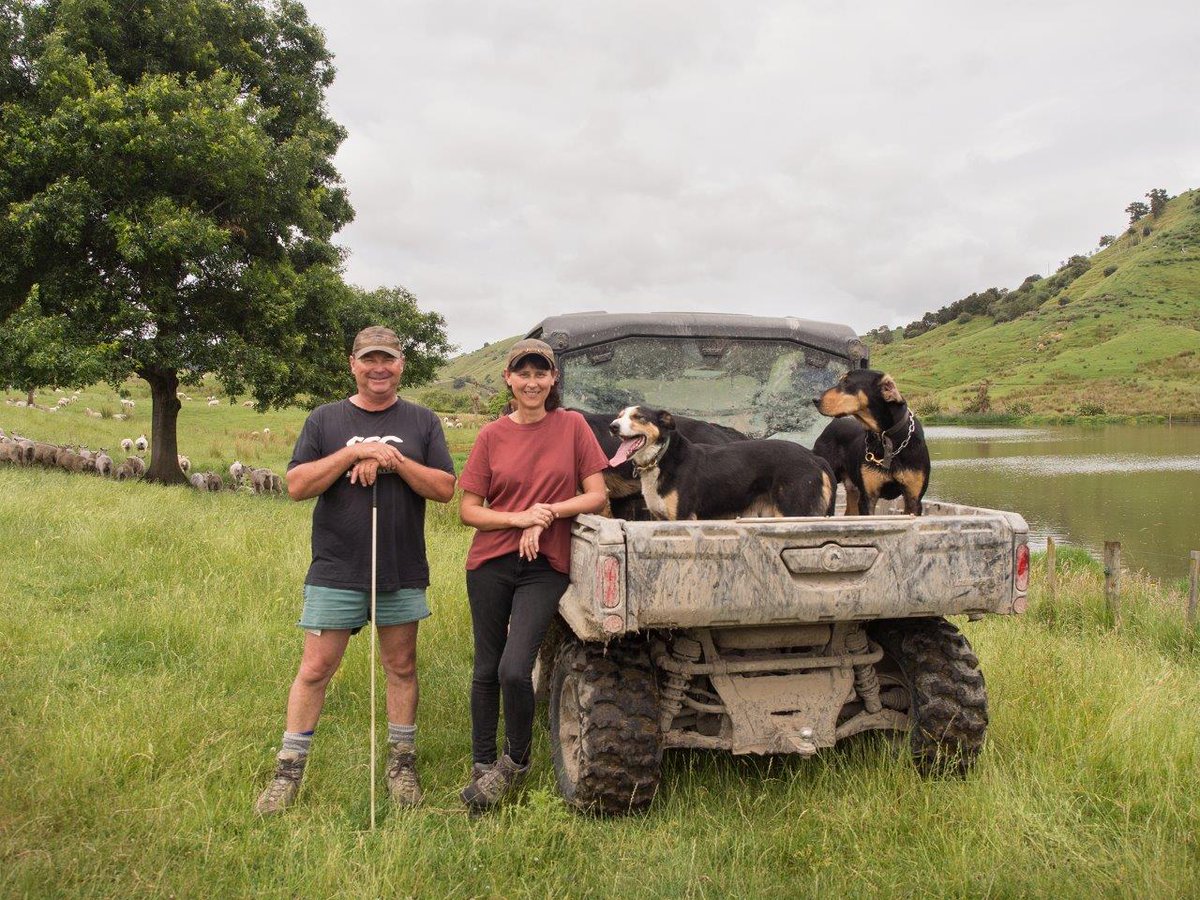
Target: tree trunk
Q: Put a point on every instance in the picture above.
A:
(164, 416)
(29, 399)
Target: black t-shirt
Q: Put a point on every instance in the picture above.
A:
(341, 535)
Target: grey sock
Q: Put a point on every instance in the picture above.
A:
(401, 734)
(296, 742)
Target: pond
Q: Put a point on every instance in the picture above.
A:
(1084, 485)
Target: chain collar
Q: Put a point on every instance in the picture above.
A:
(889, 451)
(653, 464)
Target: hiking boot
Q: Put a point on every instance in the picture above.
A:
(493, 783)
(281, 792)
(403, 785)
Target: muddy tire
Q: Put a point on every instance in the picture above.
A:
(947, 711)
(543, 666)
(604, 733)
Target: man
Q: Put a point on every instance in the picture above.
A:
(372, 438)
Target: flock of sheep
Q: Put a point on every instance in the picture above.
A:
(21, 451)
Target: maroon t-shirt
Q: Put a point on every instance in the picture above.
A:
(514, 466)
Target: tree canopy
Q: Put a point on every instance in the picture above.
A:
(167, 184)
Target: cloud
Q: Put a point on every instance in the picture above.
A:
(861, 163)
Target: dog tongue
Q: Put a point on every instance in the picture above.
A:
(627, 448)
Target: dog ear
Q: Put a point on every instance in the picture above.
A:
(891, 393)
(666, 421)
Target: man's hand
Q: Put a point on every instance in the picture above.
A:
(374, 457)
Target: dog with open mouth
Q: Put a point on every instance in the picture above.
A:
(752, 478)
(623, 485)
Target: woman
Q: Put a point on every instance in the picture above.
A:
(521, 488)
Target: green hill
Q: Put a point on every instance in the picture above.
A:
(466, 383)
(1117, 332)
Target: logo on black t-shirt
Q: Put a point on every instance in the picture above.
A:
(386, 439)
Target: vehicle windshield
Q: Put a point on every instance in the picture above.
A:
(762, 388)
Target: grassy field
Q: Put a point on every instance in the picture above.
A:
(148, 640)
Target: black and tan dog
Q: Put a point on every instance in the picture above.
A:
(685, 480)
(624, 487)
(876, 446)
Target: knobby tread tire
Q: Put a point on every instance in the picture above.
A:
(619, 752)
(948, 712)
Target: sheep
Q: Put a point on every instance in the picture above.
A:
(264, 481)
(10, 451)
(207, 481)
(27, 451)
(237, 472)
(214, 402)
(139, 465)
(248, 404)
(185, 464)
(127, 469)
(62, 401)
(104, 464)
(266, 432)
(44, 454)
(141, 443)
(91, 413)
(127, 403)
(65, 457)
(127, 445)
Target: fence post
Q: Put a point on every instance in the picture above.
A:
(1112, 579)
(1051, 568)
(1193, 587)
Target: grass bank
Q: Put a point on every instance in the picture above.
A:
(148, 640)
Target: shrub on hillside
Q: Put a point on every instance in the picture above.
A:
(1108, 270)
(927, 406)
(1091, 409)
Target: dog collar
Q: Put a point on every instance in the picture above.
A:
(890, 452)
(653, 464)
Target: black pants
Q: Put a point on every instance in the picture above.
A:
(512, 603)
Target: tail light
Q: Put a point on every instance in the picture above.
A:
(1022, 568)
(608, 582)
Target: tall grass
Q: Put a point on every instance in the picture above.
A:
(148, 639)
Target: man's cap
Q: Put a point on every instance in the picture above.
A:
(377, 338)
(530, 347)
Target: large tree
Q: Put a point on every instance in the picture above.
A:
(167, 184)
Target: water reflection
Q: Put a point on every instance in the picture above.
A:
(1083, 485)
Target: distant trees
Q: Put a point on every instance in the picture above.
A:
(881, 334)
(35, 353)
(1158, 201)
(1107, 240)
(1136, 210)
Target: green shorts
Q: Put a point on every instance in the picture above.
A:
(327, 608)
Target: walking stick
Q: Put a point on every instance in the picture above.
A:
(373, 633)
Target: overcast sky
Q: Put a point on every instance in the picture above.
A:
(859, 162)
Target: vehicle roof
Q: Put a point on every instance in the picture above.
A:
(575, 331)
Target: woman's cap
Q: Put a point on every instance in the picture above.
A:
(377, 339)
(530, 347)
